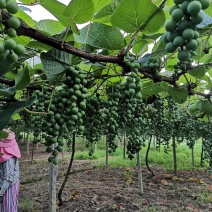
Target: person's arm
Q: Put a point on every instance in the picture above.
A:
(8, 171)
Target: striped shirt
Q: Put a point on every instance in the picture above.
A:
(9, 171)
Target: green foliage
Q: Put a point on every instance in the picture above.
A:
(80, 11)
(149, 20)
(102, 79)
(101, 36)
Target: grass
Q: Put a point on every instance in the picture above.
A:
(156, 157)
(27, 205)
(205, 197)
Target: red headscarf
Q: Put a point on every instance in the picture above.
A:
(9, 147)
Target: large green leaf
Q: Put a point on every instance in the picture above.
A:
(198, 73)
(133, 15)
(9, 109)
(51, 27)
(150, 88)
(210, 73)
(98, 4)
(105, 11)
(101, 36)
(27, 19)
(56, 8)
(22, 40)
(80, 11)
(22, 79)
(28, 1)
(140, 46)
(179, 95)
(204, 106)
(56, 61)
(36, 44)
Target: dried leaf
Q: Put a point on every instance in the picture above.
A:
(201, 182)
(175, 178)
(167, 176)
(210, 187)
(156, 179)
(143, 202)
(192, 179)
(164, 182)
(184, 189)
(74, 195)
(89, 172)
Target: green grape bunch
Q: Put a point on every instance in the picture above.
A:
(9, 49)
(181, 31)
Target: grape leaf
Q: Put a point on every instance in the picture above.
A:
(179, 95)
(80, 11)
(101, 36)
(131, 16)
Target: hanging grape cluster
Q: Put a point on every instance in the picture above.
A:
(182, 34)
(9, 49)
(152, 62)
(159, 123)
(93, 121)
(58, 113)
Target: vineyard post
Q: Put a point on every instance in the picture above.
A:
(27, 144)
(107, 152)
(53, 186)
(174, 154)
(140, 181)
(124, 149)
(192, 156)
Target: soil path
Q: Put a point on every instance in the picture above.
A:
(90, 189)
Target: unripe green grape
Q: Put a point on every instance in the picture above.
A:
(170, 47)
(194, 7)
(188, 34)
(10, 44)
(3, 57)
(196, 35)
(2, 4)
(170, 26)
(11, 32)
(192, 25)
(191, 45)
(55, 162)
(182, 25)
(164, 37)
(50, 159)
(12, 7)
(205, 4)
(19, 49)
(184, 55)
(59, 148)
(178, 41)
(173, 8)
(13, 22)
(171, 36)
(184, 6)
(2, 48)
(12, 57)
(177, 15)
(131, 91)
(49, 149)
(197, 19)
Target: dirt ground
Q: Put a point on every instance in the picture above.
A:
(92, 189)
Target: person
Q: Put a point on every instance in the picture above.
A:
(9, 173)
